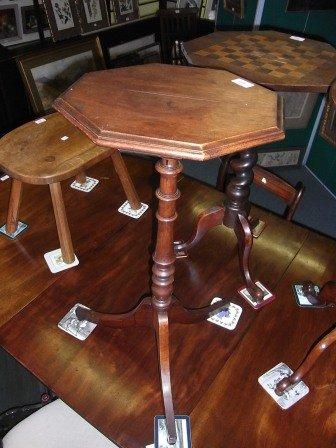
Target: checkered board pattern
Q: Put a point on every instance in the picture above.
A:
(268, 56)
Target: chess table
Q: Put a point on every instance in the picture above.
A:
(156, 110)
(275, 60)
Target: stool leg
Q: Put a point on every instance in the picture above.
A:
(13, 206)
(126, 181)
(81, 177)
(62, 223)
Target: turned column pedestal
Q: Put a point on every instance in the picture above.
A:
(234, 214)
(160, 309)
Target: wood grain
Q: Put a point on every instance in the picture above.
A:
(48, 152)
(269, 58)
(156, 109)
(247, 416)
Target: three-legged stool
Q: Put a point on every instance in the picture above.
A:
(48, 151)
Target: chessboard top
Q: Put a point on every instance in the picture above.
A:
(172, 111)
(279, 61)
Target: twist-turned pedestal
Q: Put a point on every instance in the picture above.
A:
(233, 215)
(161, 308)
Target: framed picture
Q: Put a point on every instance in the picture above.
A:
(10, 26)
(235, 6)
(328, 125)
(126, 10)
(63, 18)
(48, 73)
(92, 15)
(307, 5)
(29, 19)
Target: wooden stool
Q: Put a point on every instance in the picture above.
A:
(48, 151)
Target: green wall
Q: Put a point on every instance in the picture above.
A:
(321, 24)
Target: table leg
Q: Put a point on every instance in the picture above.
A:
(163, 277)
(234, 215)
(161, 309)
(308, 362)
(208, 219)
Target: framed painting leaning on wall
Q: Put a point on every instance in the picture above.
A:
(48, 73)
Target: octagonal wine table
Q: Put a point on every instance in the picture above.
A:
(275, 60)
(176, 113)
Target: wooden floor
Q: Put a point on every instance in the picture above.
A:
(111, 379)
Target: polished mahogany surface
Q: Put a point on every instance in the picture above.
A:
(172, 111)
(111, 379)
(275, 60)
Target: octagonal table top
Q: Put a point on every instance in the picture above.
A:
(279, 61)
(172, 111)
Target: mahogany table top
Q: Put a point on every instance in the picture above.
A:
(269, 58)
(172, 111)
(111, 379)
(48, 150)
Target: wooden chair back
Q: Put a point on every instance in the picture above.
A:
(178, 24)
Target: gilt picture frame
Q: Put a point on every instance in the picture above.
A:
(48, 73)
(63, 18)
(93, 15)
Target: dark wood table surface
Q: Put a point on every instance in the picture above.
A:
(270, 58)
(111, 379)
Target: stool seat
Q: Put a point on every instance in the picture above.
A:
(55, 425)
(48, 150)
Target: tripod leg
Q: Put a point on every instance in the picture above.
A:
(245, 240)
(162, 340)
(308, 362)
(205, 221)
